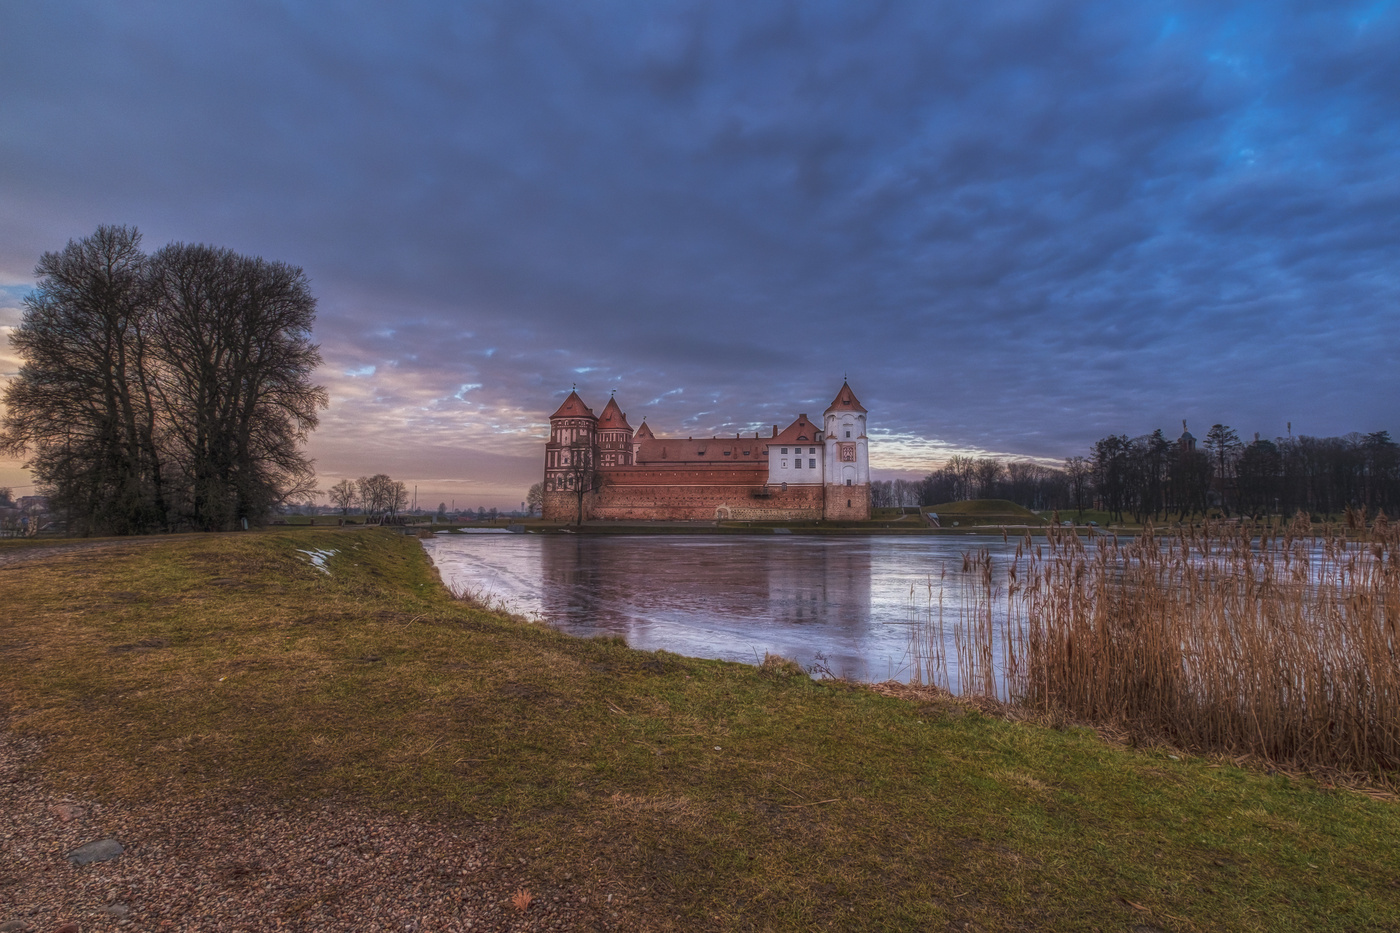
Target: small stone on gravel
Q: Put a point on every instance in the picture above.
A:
(67, 811)
(15, 926)
(101, 850)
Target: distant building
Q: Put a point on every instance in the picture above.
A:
(1187, 441)
(806, 471)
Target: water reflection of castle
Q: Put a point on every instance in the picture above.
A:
(791, 593)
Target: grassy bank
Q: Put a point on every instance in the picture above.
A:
(708, 795)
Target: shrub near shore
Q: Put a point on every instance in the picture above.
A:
(712, 795)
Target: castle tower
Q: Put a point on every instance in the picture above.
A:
(573, 436)
(643, 434)
(614, 437)
(847, 466)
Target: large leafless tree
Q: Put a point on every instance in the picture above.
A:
(166, 390)
(344, 495)
(233, 337)
(81, 409)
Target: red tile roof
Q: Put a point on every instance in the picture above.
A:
(714, 450)
(613, 418)
(801, 431)
(845, 401)
(573, 407)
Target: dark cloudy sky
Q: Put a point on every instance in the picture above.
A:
(1018, 226)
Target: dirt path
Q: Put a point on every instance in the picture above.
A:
(44, 550)
(231, 865)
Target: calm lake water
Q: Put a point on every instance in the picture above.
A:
(848, 600)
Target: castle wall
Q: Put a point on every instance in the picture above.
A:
(847, 503)
(560, 505)
(709, 474)
(697, 502)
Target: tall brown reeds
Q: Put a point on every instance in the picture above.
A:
(1272, 641)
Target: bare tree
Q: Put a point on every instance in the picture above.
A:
(880, 497)
(581, 475)
(1078, 471)
(343, 495)
(81, 409)
(396, 499)
(986, 472)
(374, 492)
(963, 470)
(166, 389)
(905, 493)
(534, 499)
(233, 342)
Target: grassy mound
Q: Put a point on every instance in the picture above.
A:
(985, 512)
(714, 795)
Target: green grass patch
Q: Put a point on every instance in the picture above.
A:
(728, 797)
(984, 512)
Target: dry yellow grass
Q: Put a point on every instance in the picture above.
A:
(1274, 642)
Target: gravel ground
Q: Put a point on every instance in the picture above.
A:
(241, 866)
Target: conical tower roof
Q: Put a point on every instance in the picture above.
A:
(644, 432)
(845, 400)
(573, 407)
(613, 418)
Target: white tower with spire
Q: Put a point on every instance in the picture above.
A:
(847, 463)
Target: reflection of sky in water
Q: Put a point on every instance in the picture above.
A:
(735, 598)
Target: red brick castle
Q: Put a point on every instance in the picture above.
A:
(808, 471)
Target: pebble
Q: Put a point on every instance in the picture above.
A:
(101, 850)
(67, 811)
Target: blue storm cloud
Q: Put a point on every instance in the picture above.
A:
(1017, 226)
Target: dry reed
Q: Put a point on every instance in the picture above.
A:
(1265, 640)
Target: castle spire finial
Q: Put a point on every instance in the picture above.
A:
(575, 386)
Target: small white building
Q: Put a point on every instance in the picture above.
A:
(796, 455)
